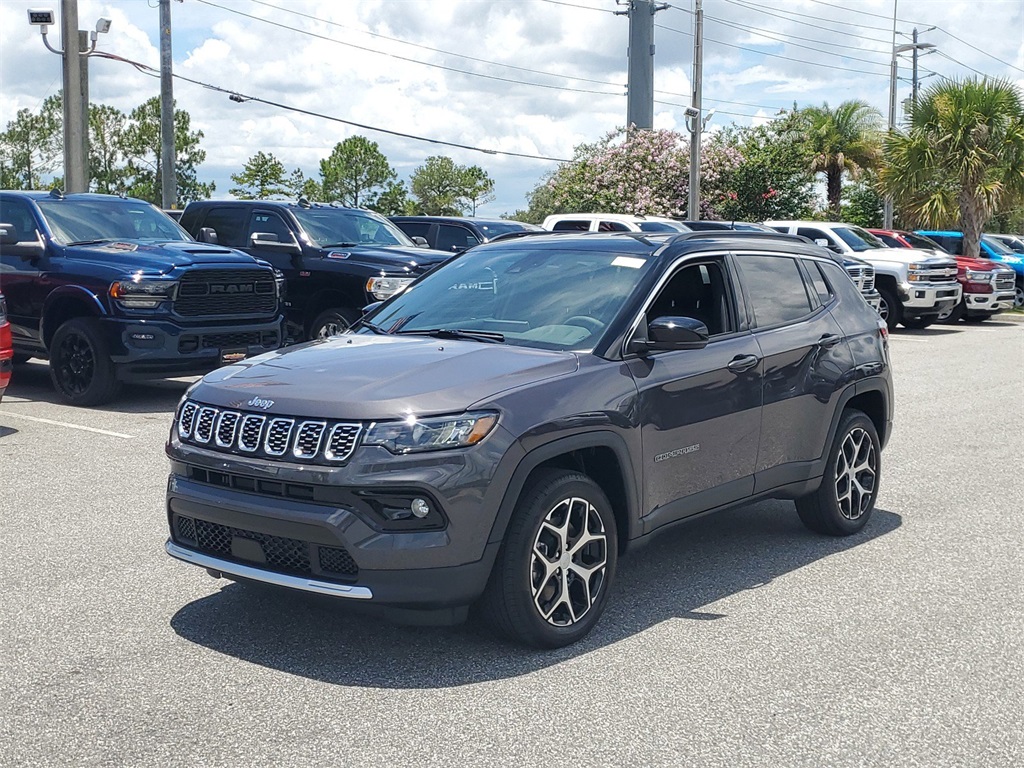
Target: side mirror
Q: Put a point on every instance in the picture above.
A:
(667, 333)
(271, 240)
(822, 242)
(8, 235)
(208, 235)
(420, 241)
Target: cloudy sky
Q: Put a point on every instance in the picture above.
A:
(530, 77)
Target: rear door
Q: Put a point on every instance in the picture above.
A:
(22, 268)
(805, 357)
(699, 410)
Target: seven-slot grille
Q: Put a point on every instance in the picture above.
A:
(226, 292)
(276, 437)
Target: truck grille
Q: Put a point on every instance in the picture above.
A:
(276, 437)
(221, 292)
(863, 276)
(1003, 281)
(280, 554)
(937, 272)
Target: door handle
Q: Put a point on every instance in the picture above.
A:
(742, 363)
(829, 340)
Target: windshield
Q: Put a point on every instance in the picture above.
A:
(559, 299)
(661, 226)
(858, 239)
(492, 229)
(84, 221)
(336, 227)
(920, 241)
(1013, 243)
(996, 246)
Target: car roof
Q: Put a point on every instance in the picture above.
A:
(942, 232)
(35, 194)
(462, 219)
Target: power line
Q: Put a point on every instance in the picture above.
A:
(403, 58)
(749, 7)
(581, 7)
(425, 47)
(867, 13)
(241, 97)
(979, 50)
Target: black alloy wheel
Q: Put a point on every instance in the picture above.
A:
(80, 364)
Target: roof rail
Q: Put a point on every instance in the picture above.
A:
(738, 234)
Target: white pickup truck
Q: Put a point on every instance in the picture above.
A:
(916, 286)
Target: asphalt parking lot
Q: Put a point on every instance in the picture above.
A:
(738, 640)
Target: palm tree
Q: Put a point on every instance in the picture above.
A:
(963, 153)
(845, 139)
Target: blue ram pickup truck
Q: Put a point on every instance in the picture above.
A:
(111, 289)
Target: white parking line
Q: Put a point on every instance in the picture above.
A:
(69, 426)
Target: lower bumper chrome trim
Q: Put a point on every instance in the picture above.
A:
(267, 577)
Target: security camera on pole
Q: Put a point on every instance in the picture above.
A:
(74, 50)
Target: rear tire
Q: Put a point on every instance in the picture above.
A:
(331, 322)
(80, 365)
(557, 563)
(843, 503)
(889, 307)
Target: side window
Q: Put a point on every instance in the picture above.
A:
(262, 221)
(452, 238)
(814, 234)
(228, 223)
(697, 291)
(571, 225)
(818, 282)
(612, 226)
(18, 214)
(414, 228)
(775, 288)
(840, 282)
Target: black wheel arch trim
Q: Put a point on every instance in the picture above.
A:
(68, 293)
(560, 447)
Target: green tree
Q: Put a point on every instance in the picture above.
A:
(773, 178)
(106, 148)
(479, 187)
(393, 200)
(846, 139)
(142, 149)
(354, 170)
(863, 205)
(262, 177)
(439, 187)
(32, 145)
(963, 153)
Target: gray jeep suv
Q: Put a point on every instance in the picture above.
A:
(506, 428)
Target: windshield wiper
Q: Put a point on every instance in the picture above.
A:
(367, 324)
(339, 245)
(490, 337)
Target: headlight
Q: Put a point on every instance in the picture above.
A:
(978, 277)
(385, 287)
(432, 434)
(142, 294)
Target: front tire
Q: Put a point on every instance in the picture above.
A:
(917, 323)
(80, 365)
(889, 307)
(843, 503)
(331, 322)
(557, 563)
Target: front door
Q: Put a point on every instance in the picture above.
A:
(22, 265)
(700, 410)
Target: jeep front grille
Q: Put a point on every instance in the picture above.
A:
(277, 437)
(205, 292)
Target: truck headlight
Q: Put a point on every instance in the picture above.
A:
(978, 277)
(141, 293)
(385, 287)
(431, 434)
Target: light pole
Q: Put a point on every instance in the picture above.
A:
(76, 87)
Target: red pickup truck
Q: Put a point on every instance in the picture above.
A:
(987, 285)
(6, 348)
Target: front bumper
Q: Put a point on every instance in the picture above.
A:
(929, 298)
(988, 303)
(154, 348)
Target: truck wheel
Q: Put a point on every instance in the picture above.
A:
(917, 323)
(331, 322)
(844, 501)
(955, 315)
(80, 363)
(551, 580)
(889, 308)
(1018, 296)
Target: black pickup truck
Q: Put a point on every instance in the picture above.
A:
(110, 289)
(336, 260)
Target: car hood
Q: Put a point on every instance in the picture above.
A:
(969, 262)
(905, 256)
(391, 257)
(364, 377)
(157, 257)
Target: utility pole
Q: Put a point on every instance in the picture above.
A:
(83, 46)
(75, 155)
(168, 175)
(887, 210)
(640, 72)
(697, 121)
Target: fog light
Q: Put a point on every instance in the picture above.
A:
(420, 507)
